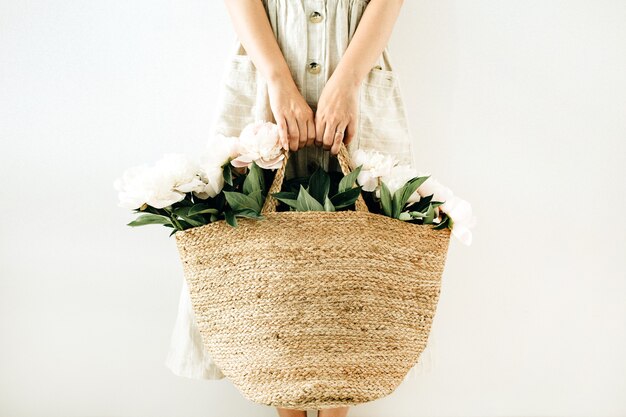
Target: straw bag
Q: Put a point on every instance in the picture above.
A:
(312, 310)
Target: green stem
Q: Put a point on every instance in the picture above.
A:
(173, 217)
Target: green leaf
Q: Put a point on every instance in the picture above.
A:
(430, 215)
(192, 222)
(292, 195)
(306, 202)
(417, 214)
(319, 184)
(184, 224)
(291, 202)
(346, 198)
(443, 223)
(328, 205)
(258, 198)
(201, 208)
(254, 179)
(149, 218)
(250, 214)
(348, 181)
(385, 199)
(402, 194)
(229, 216)
(173, 231)
(287, 197)
(451, 223)
(228, 173)
(405, 216)
(239, 201)
(183, 212)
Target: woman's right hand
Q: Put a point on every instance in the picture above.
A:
(293, 114)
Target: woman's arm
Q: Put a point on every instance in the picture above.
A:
(338, 103)
(369, 40)
(292, 113)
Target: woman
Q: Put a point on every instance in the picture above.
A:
(304, 65)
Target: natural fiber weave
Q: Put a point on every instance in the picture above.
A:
(312, 310)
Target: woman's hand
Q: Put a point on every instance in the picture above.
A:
(337, 110)
(293, 114)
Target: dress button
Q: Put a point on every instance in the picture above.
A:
(315, 17)
(314, 68)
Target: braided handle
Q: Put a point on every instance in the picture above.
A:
(269, 206)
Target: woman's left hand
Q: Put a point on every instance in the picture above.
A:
(337, 111)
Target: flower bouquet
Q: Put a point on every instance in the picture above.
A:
(228, 180)
(310, 292)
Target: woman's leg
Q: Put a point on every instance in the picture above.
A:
(333, 412)
(286, 412)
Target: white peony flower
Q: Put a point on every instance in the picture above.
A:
(374, 166)
(213, 180)
(460, 211)
(158, 186)
(179, 172)
(377, 168)
(141, 186)
(433, 187)
(259, 141)
(133, 187)
(219, 151)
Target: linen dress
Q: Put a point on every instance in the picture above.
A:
(312, 35)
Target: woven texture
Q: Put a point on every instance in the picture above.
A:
(311, 310)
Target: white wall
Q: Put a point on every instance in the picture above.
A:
(519, 107)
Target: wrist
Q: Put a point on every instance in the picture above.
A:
(280, 78)
(347, 77)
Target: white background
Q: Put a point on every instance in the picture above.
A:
(518, 106)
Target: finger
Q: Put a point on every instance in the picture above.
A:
(282, 127)
(310, 132)
(302, 130)
(329, 135)
(319, 132)
(338, 138)
(350, 133)
(294, 136)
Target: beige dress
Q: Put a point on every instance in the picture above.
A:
(312, 35)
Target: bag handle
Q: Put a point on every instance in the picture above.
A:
(269, 206)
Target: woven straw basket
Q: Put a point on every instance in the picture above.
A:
(312, 310)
